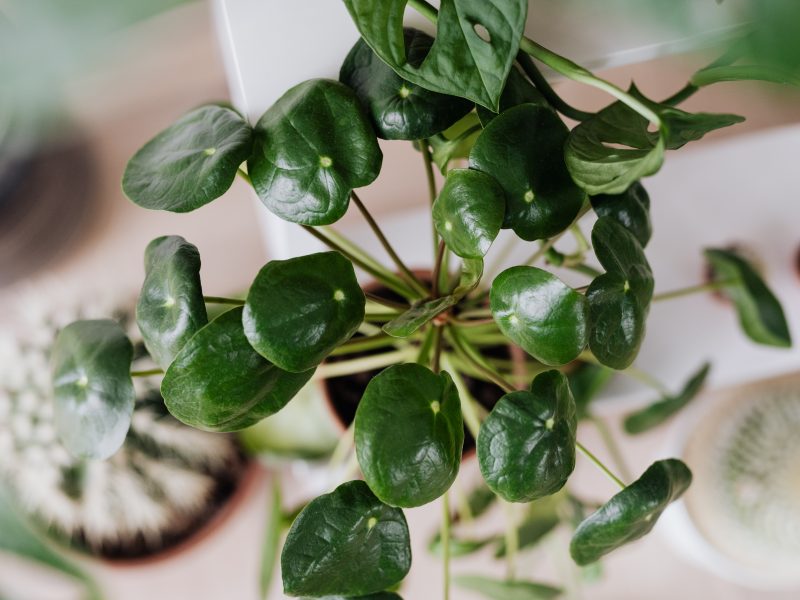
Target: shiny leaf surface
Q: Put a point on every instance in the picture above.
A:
(518, 91)
(94, 396)
(217, 382)
(299, 310)
(311, 149)
(170, 309)
(346, 542)
(190, 163)
(631, 209)
(523, 150)
(409, 434)
(526, 446)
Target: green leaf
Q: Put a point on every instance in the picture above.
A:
(458, 546)
(456, 142)
(518, 91)
(630, 209)
(523, 150)
(469, 212)
(479, 500)
(632, 513)
(348, 543)
(272, 538)
(409, 434)
(526, 446)
(311, 149)
(497, 589)
(170, 309)
(540, 313)
(400, 110)
(609, 152)
(217, 382)
(760, 313)
(418, 315)
(190, 163)
(586, 382)
(619, 300)
(461, 61)
(94, 396)
(657, 413)
(542, 518)
(299, 310)
(377, 596)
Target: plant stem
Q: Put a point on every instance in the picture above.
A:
(512, 540)
(384, 302)
(147, 372)
(599, 464)
(445, 535)
(766, 73)
(366, 363)
(633, 373)
(543, 248)
(472, 411)
(438, 334)
(437, 268)
(426, 155)
(473, 357)
(541, 83)
(476, 312)
(695, 289)
(611, 445)
(221, 300)
(360, 344)
(472, 322)
(582, 268)
(412, 279)
(691, 88)
(244, 175)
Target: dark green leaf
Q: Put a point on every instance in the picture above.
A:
(540, 313)
(518, 91)
(94, 396)
(217, 382)
(586, 382)
(631, 209)
(190, 163)
(632, 513)
(619, 300)
(526, 446)
(479, 500)
(272, 538)
(760, 312)
(469, 212)
(657, 413)
(400, 110)
(497, 589)
(409, 434)
(461, 62)
(456, 142)
(312, 148)
(171, 307)
(348, 543)
(523, 150)
(458, 546)
(299, 310)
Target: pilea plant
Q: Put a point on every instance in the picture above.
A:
(474, 93)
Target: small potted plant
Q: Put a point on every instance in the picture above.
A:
(474, 92)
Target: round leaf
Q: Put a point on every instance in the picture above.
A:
(540, 313)
(409, 434)
(469, 212)
(190, 163)
(526, 446)
(760, 312)
(312, 148)
(523, 150)
(346, 543)
(94, 395)
(170, 309)
(632, 513)
(217, 382)
(299, 310)
(630, 209)
(400, 110)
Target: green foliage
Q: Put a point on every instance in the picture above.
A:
(409, 434)
(346, 542)
(518, 91)
(497, 589)
(630, 209)
(94, 394)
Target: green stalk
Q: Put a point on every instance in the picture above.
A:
(243, 174)
(611, 446)
(472, 411)
(362, 344)
(512, 540)
(633, 373)
(361, 254)
(366, 363)
(221, 300)
(445, 535)
(431, 178)
(472, 356)
(599, 464)
(695, 289)
(147, 373)
(541, 83)
(437, 268)
(386, 303)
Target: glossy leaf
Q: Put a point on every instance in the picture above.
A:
(655, 414)
(299, 310)
(473, 52)
(217, 382)
(190, 163)
(346, 542)
(540, 313)
(498, 589)
(632, 513)
(631, 209)
(400, 110)
(94, 396)
(518, 91)
(312, 148)
(409, 434)
(523, 150)
(468, 212)
(526, 446)
(760, 313)
(170, 309)
(619, 300)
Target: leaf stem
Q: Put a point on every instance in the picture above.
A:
(361, 344)
(541, 83)
(385, 302)
(222, 300)
(366, 363)
(473, 357)
(473, 412)
(412, 279)
(599, 464)
(512, 540)
(147, 372)
(437, 268)
(426, 155)
(445, 536)
(438, 334)
(611, 445)
(633, 373)
(244, 175)
(694, 289)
